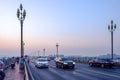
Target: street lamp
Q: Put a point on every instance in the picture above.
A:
(21, 14)
(38, 53)
(112, 28)
(57, 49)
(44, 52)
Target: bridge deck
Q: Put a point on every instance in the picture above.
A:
(14, 74)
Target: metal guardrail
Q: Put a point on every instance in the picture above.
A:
(28, 73)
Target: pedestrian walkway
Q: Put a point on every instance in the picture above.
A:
(14, 74)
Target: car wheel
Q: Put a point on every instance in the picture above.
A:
(102, 65)
(36, 66)
(90, 64)
(63, 67)
(56, 65)
(110, 66)
(73, 67)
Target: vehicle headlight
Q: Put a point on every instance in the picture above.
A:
(65, 63)
(73, 62)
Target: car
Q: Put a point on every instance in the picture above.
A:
(42, 63)
(62, 62)
(102, 63)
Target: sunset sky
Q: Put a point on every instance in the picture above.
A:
(79, 26)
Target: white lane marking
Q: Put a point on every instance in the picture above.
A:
(107, 74)
(76, 74)
(86, 77)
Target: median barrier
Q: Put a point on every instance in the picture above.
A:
(28, 74)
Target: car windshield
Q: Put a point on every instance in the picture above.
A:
(101, 60)
(106, 60)
(42, 59)
(65, 59)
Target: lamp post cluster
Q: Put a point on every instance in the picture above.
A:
(44, 51)
(112, 28)
(21, 14)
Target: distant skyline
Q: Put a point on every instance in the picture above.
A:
(80, 27)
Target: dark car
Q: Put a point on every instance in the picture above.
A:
(62, 62)
(102, 63)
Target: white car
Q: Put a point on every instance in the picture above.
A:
(42, 62)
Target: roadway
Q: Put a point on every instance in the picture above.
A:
(81, 72)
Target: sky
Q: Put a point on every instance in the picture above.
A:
(80, 27)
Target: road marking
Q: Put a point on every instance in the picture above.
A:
(52, 66)
(112, 75)
(86, 77)
(74, 73)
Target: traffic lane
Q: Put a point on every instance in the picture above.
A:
(67, 74)
(43, 74)
(52, 63)
(53, 74)
(97, 73)
(87, 75)
(81, 74)
(113, 71)
(70, 74)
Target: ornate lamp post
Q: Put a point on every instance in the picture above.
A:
(21, 14)
(57, 49)
(44, 52)
(38, 53)
(112, 28)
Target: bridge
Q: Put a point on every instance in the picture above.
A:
(82, 71)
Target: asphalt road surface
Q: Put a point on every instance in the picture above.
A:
(81, 72)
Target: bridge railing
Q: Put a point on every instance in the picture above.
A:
(28, 74)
